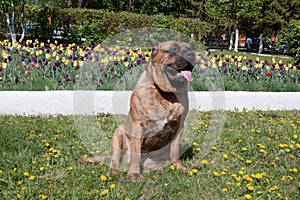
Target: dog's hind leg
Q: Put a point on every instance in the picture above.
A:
(118, 149)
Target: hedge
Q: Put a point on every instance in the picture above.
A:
(96, 25)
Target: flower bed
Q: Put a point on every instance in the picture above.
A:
(33, 65)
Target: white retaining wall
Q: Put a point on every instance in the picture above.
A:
(117, 102)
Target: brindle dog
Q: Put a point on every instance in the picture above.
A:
(158, 108)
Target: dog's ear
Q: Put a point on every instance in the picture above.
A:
(154, 45)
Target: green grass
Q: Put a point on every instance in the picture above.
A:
(257, 156)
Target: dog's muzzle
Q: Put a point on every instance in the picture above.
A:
(174, 70)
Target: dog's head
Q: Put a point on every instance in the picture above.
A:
(171, 65)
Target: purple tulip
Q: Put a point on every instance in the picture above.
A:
(201, 70)
(125, 59)
(249, 71)
(222, 55)
(227, 59)
(5, 60)
(46, 62)
(57, 63)
(47, 50)
(223, 64)
(67, 79)
(225, 70)
(9, 58)
(138, 62)
(238, 69)
(116, 62)
(281, 72)
(259, 71)
(54, 67)
(101, 68)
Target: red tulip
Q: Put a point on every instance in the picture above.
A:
(269, 73)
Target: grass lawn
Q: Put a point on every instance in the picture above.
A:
(257, 156)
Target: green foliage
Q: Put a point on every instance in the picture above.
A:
(292, 36)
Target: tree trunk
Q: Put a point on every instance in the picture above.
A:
(261, 46)
(231, 41)
(11, 28)
(131, 6)
(79, 3)
(22, 21)
(236, 44)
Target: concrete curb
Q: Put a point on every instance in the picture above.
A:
(117, 102)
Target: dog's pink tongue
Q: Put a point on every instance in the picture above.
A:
(187, 75)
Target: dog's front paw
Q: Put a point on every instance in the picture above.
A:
(134, 177)
(179, 166)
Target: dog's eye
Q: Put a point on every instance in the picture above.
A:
(154, 50)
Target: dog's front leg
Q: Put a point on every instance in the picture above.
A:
(134, 171)
(174, 151)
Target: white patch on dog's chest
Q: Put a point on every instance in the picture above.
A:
(161, 127)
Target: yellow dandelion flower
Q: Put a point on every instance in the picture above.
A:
(248, 196)
(204, 162)
(19, 196)
(70, 168)
(195, 171)
(103, 178)
(198, 149)
(224, 190)
(172, 167)
(190, 173)
(250, 187)
(43, 197)
(104, 192)
(112, 186)
(26, 174)
(31, 178)
(225, 156)
(23, 188)
(216, 174)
